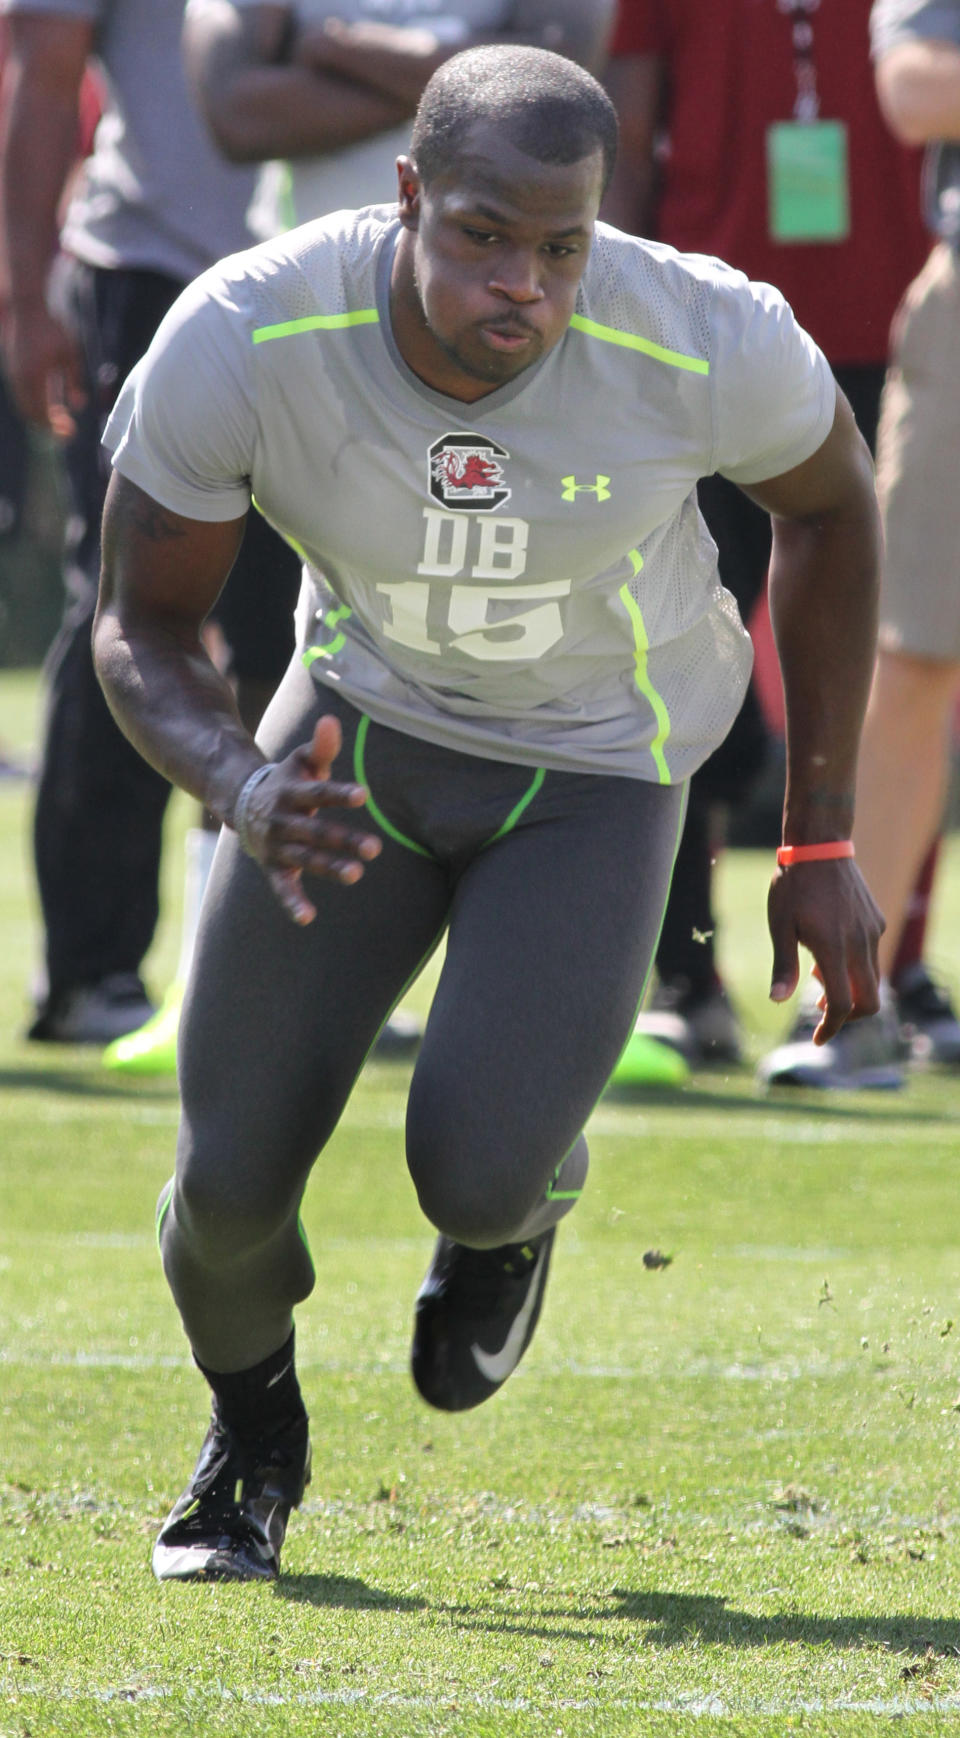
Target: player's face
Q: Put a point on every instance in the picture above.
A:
(486, 272)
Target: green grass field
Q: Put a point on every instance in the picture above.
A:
(720, 1497)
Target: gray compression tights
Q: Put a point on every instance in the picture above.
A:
(551, 888)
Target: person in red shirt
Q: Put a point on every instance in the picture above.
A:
(750, 130)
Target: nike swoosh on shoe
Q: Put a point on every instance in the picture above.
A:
(497, 1366)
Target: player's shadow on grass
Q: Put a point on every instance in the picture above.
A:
(345, 1592)
(85, 1083)
(681, 1619)
(675, 1619)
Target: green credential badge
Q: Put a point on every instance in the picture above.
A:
(808, 186)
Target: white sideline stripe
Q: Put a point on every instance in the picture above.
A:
(710, 1705)
(618, 1122)
(697, 1370)
(750, 1130)
(148, 1240)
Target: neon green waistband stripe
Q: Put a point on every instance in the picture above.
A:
(630, 341)
(519, 807)
(316, 323)
(380, 818)
(641, 645)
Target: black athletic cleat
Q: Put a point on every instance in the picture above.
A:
(928, 1018)
(475, 1315)
(700, 1023)
(231, 1520)
(93, 1013)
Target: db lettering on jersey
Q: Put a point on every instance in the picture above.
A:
(479, 620)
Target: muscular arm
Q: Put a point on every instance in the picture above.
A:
(334, 84)
(823, 606)
(635, 86)
(918, 86)
(161, 576)
(823, 580)
(38, 144)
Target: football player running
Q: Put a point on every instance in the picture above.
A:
(481, 416)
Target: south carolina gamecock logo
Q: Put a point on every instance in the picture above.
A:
(466, 471)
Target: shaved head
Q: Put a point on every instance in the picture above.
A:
(546, 105)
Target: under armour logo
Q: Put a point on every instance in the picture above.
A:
(571, 488)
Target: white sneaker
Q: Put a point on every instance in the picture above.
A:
(866, 1055)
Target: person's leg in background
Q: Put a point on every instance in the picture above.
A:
(904, 772)
(690, 1009)
(100, 807)
(928, 1021)
(905, 750)
(929, 1024)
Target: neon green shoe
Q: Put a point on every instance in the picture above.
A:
(152, 1048)
(644, 1062)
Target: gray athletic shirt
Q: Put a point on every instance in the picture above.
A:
(155, 194)
(527, 577)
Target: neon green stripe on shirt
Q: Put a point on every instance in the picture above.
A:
(631, 341)
(316, 323)
(641, 646)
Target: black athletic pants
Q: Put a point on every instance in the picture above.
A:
(100, 807)
(550, 887)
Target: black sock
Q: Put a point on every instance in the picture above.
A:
(263, 1399)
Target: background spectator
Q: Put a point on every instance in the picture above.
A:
(755, 135)
(905, 751)
(153, 206)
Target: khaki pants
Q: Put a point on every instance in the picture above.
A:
(918, 467)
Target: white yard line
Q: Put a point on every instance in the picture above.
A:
(698, 1369)
(709, 1704)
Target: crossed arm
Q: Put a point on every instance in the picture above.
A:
(271, 89)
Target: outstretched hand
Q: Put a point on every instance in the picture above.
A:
(287, 831)
(828, 907)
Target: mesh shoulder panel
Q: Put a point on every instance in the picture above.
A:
(653, 292)
(327, 267)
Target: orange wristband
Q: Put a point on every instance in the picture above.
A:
(788, 854)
